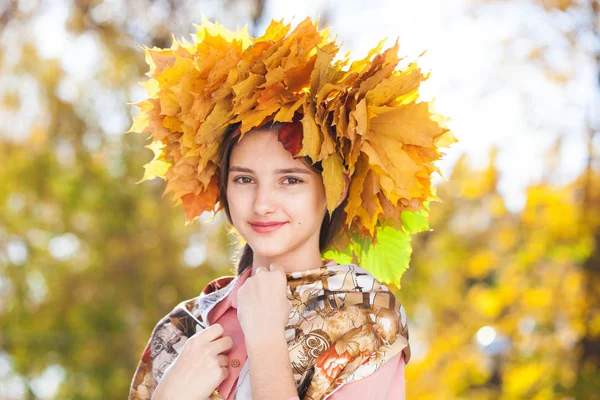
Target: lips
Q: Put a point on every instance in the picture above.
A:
(257, 223)
(266, 227)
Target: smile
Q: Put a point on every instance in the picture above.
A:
(267, 229)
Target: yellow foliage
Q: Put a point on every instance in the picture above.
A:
(157, 167)
(540, 297)
(554, 208)
(505, 238)
(481, 263)
(594, 325)
(485, 300)
(521, 379)
(497, 207)
(367, 111)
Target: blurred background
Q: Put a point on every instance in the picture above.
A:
(502, 296)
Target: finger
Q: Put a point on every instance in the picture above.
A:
(260, 269)
(222, 345)
(223, 360)
(211, 333)
(276, 267)
(224, 373)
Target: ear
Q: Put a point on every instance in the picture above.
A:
(346, 187)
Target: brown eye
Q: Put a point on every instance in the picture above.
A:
(293, 179)
(241, 177)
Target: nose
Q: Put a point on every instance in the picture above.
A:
(264, 200)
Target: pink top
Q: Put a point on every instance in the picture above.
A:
(386, 383)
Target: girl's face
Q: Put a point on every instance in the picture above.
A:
(266, 184)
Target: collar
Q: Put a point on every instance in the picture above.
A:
(221, 294)
(230, 300)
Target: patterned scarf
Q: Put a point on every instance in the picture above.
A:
(343, 326)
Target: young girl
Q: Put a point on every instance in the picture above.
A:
(277, 203)
(351, 153)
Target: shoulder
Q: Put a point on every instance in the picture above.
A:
(189, 313)
(352, 277)
(217, 284)
(372, 298)
(169, 336)
(172, 329)
(163, 347)
(182, 319)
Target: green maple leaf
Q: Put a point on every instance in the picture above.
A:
(389, 257)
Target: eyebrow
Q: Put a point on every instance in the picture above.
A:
(278, 171)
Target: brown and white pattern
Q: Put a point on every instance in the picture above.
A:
(343, 326)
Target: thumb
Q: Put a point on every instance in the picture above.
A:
(275, 267)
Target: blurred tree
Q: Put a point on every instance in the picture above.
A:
(561, 46)
(496, 297)
(89, 261)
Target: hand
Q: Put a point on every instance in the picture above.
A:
(199, 369)
(263, 306)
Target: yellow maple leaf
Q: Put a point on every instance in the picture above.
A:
(333, 179)
(157, 167)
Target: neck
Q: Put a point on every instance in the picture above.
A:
(289, 264)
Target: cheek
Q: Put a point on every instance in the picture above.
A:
(308, 210)
(235, 205)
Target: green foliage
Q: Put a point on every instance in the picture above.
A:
(392, 248)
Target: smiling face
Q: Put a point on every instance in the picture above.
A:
(259, 189)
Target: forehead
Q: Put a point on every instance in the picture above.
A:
(261, 147)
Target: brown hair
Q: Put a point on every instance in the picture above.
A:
(330, 225)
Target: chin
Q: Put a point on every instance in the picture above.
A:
(268, 249)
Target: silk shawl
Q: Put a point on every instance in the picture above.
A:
(343, 326)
